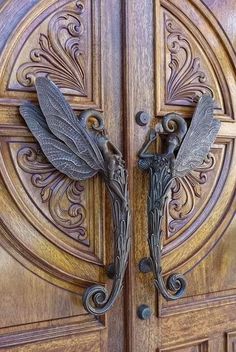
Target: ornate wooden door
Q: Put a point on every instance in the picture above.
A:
(118, 57)
(183, 49)
(56, 235)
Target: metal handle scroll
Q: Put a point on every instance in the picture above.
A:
(80, 148)
(186, 150)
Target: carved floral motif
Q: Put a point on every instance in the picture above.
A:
(183, 194)
(187, 82)
(61, 53)
(62, 194)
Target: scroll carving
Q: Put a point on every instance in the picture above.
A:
(183, 194)
(61, 54)
(62, 195)
(187, 82)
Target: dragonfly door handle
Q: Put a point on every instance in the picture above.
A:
(186, 150)
(80, 148)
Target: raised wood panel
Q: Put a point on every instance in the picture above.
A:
(46, 310)
(20, 289)
(13, 20)
(206, 313)
(90, 342)
(44, 331)
(58, 235)
(231, 342)
(188, 71)
(62, 42)
(211, 323)
(71, 222)
(188, 64)
(188, 197)
(42, 248)
(191, 347)
(75, 208)
(212, 282)
(227, 23)
(198, 235)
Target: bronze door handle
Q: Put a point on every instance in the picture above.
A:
(80, 148)
(186, 150)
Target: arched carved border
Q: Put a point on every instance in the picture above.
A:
(44, 11)
(91, 253)
(203, 231)
(184, 253)
(189, 195)
(214, 49)
(53, 275)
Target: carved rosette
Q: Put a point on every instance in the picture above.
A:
(187, 82)
(61, 54)
(183, 195)
(62, 195)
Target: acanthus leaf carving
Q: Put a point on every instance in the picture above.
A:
(187, 82)
(183, 194)
(62, 195)
(61, 54)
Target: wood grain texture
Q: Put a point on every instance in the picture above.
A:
(193, 347)
(187, 47)
(128, 51)
(62, 41)
(206, 313)
(90, 342)
(61, 56)
(186, 81)
(226, 22)
(48, 266)
(231, 342)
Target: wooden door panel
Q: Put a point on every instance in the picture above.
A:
(194, 347)
(61, 40)
(231, 341)
(55, 233)
(119, 57)
(190, 56)
(90, 342)
(61, 302)
(226, 22)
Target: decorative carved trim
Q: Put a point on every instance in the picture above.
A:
(62, 194)
(42, 331)
(184, 192)
(200, 346)
(231, 341)
(187, 82)
(61, 54)
(209, 300)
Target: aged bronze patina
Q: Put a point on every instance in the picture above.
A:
(80, 148)
(186, 150)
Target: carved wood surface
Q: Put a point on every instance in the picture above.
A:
(65, 46)
(60, 56)
(55, 234)
(185, 193)
(201, 248)
(189, 65)
(44, 267)
(62, 195)
(193, 347)
(231, 342)
(186, 82)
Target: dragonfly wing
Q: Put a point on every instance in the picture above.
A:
(199, 138)
(65, 125)
(57, 152)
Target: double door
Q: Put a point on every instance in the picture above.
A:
(56, 237)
